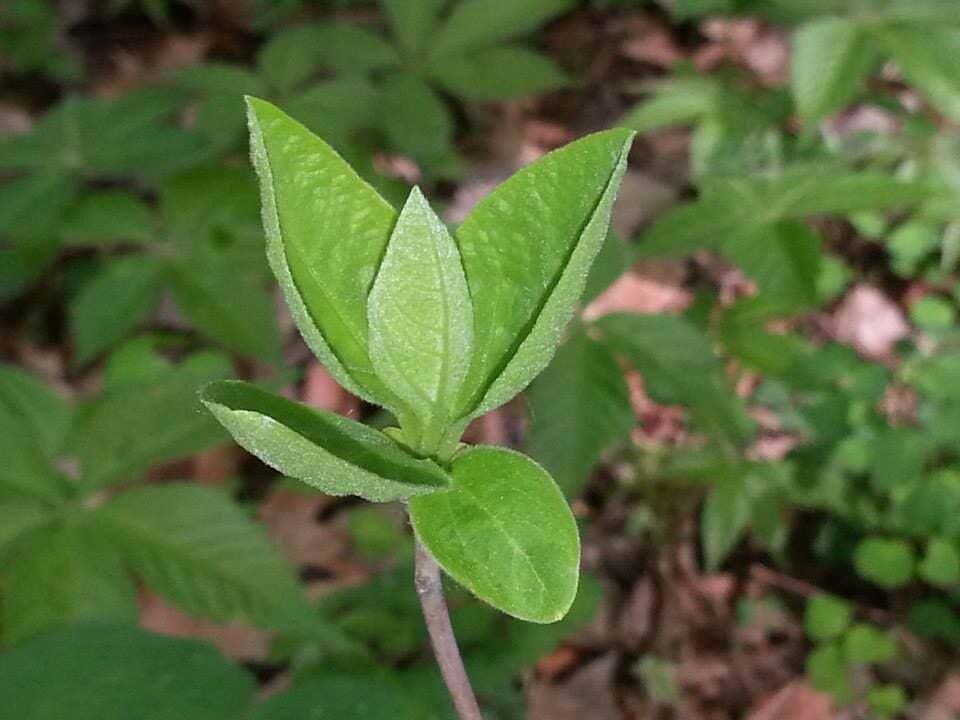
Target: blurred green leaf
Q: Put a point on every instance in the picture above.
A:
(412, 23)
(497, 73)
(886, 562)
(927, 56)
(481, 23)
(108, 216)
(826, 617)
(724, 519)
(579, 407)
(114, 672)
(864, 644)
(941, 564)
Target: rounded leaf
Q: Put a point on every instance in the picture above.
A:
(505, 532)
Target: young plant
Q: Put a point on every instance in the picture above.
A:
(438, 330)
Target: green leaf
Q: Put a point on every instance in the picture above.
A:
(17, 518)
(113, 303)
(933, 314)
(497, 73)
(416, 120)
(505, 533)
(421, 319)
(98, 671)
(679, 366)
(830, 60)
(129, 429)
(927, 55)
(579, 407)
(412, 22)
(479, 23)
(864, 645)
(724, 519)
(526, 250)
(328, 451)
(828, 673)
(888, 700)
(611, 262)
(826, 617)
(108, 216)
(64, 575)
(225, 303)
(680, 100)
(325, 279)
(37, 408)
(941, 564)
(333, 694)
(199, 550)
(888, 563)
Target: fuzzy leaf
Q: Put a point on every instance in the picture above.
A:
(326, 232)
(330, 452)
(420, 317)
(505, 532)
(526, 250)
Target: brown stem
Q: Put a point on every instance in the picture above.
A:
(435, 613)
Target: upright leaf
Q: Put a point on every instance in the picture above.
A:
(579, 407)
(328, 451)
(478, 23)
(724, 519)
(412, 22)
(106, 671)
(526, 251)
(198, 549)
(830, 60)
(420, 317)
(504, 532)
(324, 246)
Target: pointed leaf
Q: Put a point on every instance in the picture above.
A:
(198, 549)
(526, 250)
(412, 22)
(505, 532)
(416, 120)
(60, 576)
(579, 407)
(330, 452)
(326, 232)
(497, 73)
(478, 23)
(421, 320)
(831, 58)
(724, 519)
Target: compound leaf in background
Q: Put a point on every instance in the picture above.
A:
(113, 303)
(416, 121)
(355, 696)
(63, 575)
(100, 671)
(478, 23)
(505, 532)
(677, 100)
(497, 73)
(325, 279)
(330, 452)
(412, 22)
(724, 519)
(108, 216)
(526, 250)
(420, 316)
(128, 429)
(927, 56)
(37, 408)
(679, 366)
(830, 60)
(197, 548)
(579, 407)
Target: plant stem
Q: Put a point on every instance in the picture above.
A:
(435, 613)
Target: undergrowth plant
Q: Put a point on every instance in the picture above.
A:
(438, 329)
